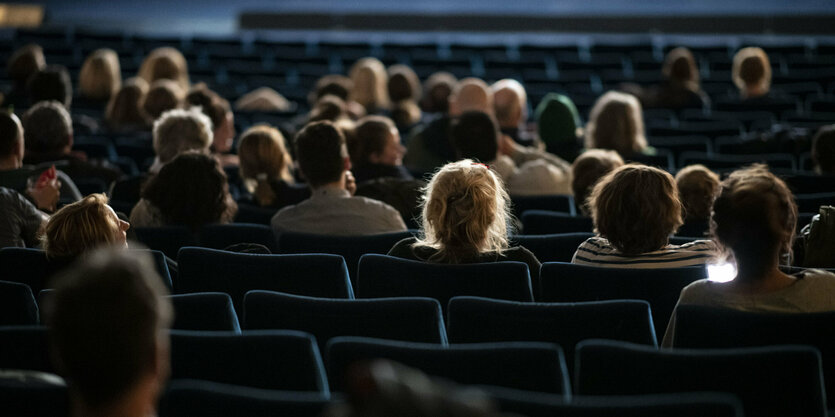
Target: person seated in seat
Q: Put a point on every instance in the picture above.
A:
(616, 122)
(21, 224)
(370, 79)
(178, 131)
(265, 168)
(680, 89)
(83, 226)
(125, 113)
(165, 63)
(558, 126)
(466, 219)
(223, 121)
(376, 151)
(697, 188)
(404, 93)
(635, 209)
(754, 220)
(109, 320)
(24, 62)
(163, 95)
(100, 77)
(332, 208)
(587, 170)
(823, 150)
(510, 105)
(751, 73)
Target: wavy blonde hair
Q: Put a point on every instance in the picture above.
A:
(165, 63)
(616, 122)
(263, 157)
(101, 75)
(79, 227)
(751, 69)
(465, 212)
(370, 84)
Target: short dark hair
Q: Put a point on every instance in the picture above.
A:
(106, 318)
(371, 135)
(823, 149)
(9, 133)
(51, 83)
(47, 127)
(332, 84)
(475, 135)
(320, 149)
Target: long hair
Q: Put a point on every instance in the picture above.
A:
(465, 213)
(263, 158)
(751, 69)
(165, 63)
(125, 107)
(616, 122)
(370, 80)
(101, 75)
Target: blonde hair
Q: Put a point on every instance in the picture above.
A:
(101, 75)
(263, 157)
(370, 84)
(616, 122)
(163, 95)
(465, 212)
(125, 108)
(697, 188)
(680, 67)
(165, 63)
(751, 69)
(79, 227)
(179, 130)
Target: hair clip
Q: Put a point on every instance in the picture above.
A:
(482, 164)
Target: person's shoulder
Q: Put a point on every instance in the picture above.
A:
(372, 203)
(697, 290)
(818, 277)
(699, 245)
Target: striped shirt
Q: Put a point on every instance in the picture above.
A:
(597, 251)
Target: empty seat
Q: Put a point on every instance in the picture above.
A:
(219, 236)
(387, 276)
(25, 347)
(280, 360)
(17, 305)
(316, 275)
(541, 222)
(564, 282)
(559, 247)
(204, 311)
(410, 319)
(166, 239)
(534, 366)
(772, 381)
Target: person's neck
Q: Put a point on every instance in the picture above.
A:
(756, 279)
(336, 185)
(754, 91)
(10, 162)
(140, 402)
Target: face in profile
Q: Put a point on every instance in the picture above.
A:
(392, 153)
(120, 228)
(224, 135)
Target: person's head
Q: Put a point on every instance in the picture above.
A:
(50, 83)
(101, 75)
(370, 79)
(752, 72)
(470, 94)
(403, 83)
(636, 207)
(589, 168)
(329, 107)
(82, 226)
(475, 135)
(321, 153)
(436, 92)
(616, 122)
(754, 218)
(47, 128)
(557, 121)
(11, 137)
(510, 102)
(191, 190)
(376, 141)
(163, 95)
(125, 108)
(465, 212)
(332, 84)
(405, 113)
(680, 68)
(179, 130)
(263, 157)
(697, 188)
(24, 62)
(823, 150)
(218, 110)
(108, 320)
(165, 63)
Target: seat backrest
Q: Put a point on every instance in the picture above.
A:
(541, 222)
(810, 203)
(475, 319)
(534, 366)
(562, 203)
(770, 381)
(268, 359)
(248, 213)
(387, 276)
(25, 347)
(317, 275)
(204, 311)
(726, 162)
(412, 319)
(33, 394)
(167, 239)
(564, 282)
(220, 236)
(708, 327)
(204, 398)
(558, 247)
(17, 305)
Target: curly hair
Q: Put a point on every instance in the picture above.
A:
(697, 188)
(79, 227)
(191, 190)
(181, 130)
(754, 216)
(264, 157)
(465, 212)
(637, 208)
(616, 122)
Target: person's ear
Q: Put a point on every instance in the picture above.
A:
(346, 163)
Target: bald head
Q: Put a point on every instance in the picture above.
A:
(509, 102)
(470, 94)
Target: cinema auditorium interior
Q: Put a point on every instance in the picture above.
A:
(432, 208)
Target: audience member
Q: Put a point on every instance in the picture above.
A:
(24, 62)
(265, 168)
(635, 209)
(83, 226)
(264, 99)
(465, 219)
(330, 108)
(191, 191)
(558, 126)
(163, 95)
(223, 121)
(125, 112)
(616, 122)
(48, 133)
(404, 92)
(823, 150)
(100, 76)
(587, 170)
(332, 209)
(754, 220)
(22, 223)
(752, 73)
(376, 151)
(15, 176)
(510, 105)
(680, 88)
(369, 78)
(50, 83)
(697, 188)
(178, 131)
(165, 63)
(436, 91)
(109, 320)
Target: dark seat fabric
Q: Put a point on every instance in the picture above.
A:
(560, 203)
(558, 247)
(166, 239)
(33, 394)
(220, 236)
(17, 305)
(541, 222)
(25, 347)
(204, 311)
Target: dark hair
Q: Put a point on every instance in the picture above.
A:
(320, 149)
(587, 170)
(403, 83)
(370, 138)
(9, 134)
(697, 188)
(437, 89)
(332, 84)
(190, 190)
(51, 83)
(475, 135)
(329, 107)
(24, 62)
(211, 104)
(105, 319)
(823, 149)
(47, 127)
